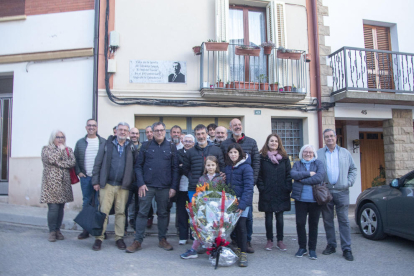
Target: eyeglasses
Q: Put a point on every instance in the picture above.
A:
(308, 152)
(91, 125)
(159, 130)
(330, 136)
(60, 137)
(187, 142)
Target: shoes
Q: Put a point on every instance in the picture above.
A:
(243, 260)
(348, 255)
(121, 244)
(83, 235)
(165, 245)
(105, 236)
(329, 250)
(190, 254)
(249, 248)
(182, 242)
(301, 252)
(312, 255)
(281, 246)
(201, 250)
(237, 251)
(59, 236)
(269, 245)
(97, 245)
(135, 246)
(149, 222)
(52, 236)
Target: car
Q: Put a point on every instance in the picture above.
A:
(387, 210)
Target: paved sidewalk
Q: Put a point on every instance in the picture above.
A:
(36, 216)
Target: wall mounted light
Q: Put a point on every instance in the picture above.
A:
(355, 144)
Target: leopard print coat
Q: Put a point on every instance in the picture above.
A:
(56, 186)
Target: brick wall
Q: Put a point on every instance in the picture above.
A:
(11, 7)
(34, 7)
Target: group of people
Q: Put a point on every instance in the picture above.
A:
(125, 175)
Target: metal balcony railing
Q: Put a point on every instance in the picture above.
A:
(371, 70)
(227, 70)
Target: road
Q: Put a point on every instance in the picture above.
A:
(24, 250)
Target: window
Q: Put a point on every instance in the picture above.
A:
(12, 7)
(290, 132)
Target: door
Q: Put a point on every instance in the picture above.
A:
(6, 103)
(372, 158)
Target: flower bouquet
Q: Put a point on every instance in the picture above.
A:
(213, 217)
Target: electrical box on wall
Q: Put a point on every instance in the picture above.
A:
(111, 66)
(114, 39)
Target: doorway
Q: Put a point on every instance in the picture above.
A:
(372, 159)
(6, 103)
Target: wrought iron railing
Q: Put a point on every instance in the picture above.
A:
(227, 70)
(371, 70)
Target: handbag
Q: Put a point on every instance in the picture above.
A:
(321, 193)
(73, 177)
(90, 218)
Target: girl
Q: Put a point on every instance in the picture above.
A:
(212, 176)
(239, 176)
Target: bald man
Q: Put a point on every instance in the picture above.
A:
(221, 135)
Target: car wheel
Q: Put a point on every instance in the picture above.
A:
(370, 222)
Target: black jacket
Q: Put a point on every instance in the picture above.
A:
(194, 160)
(80, 149)
(157, 165)
(274, 184)
(249, 146)
(103, 164)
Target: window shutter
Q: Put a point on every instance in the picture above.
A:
(222, 30)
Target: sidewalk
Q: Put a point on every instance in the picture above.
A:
(36, 216)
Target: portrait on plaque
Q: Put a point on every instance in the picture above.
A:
(157, 71)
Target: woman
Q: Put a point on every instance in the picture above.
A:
(307, 172)
(274, 184)
(56, 186)
(239, 176)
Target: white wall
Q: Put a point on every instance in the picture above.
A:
(48, 32)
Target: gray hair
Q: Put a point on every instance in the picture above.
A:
(327, 130)
(157, 124)
(308, 146)
(122, 124)
(53, 137)
(189, 136)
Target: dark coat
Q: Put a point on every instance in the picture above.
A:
(157, 165)
(240, 179)
(217, 179)
(275, 185)
(180, 78)
(102, 164)
(302, 176)
(80, 149)
(249, 146)
(194, 159)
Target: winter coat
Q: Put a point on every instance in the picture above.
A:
(302, 176)
(249, 146)
(240, 178)
(56, 186)
(102, 164)
(194, 160)
(275, 185)
(80, 149)
(217, 179)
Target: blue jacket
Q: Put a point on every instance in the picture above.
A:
(241, 179)
(157, 165)
(302, 176)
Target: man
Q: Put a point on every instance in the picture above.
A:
(175, 133)
(114, 130)
(249, 146)
(211, 130)
(85, 152)
(340, 175)
(113, 176)
(177, 76)
(148, 133)
(221, 135)
(157, 176)
(150, 136)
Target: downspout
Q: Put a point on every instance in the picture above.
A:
(95, 62)
(317, 69)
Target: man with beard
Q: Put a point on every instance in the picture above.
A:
(221, 135)
(175, 134)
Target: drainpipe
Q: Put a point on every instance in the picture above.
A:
(95, 62)
(317, 69)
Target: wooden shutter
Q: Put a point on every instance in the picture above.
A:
(222, 30)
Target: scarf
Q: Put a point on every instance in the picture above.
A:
(274, 156)
(307, 163)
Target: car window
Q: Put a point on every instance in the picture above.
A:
(409, 181)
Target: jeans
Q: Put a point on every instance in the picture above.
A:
(132, 207)
(182, 215)
(162, 198)
(302, 210)
(341, 203)
(55, 216)
(87, 190)
(269, 225)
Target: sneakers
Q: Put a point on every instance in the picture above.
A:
(329, 250)
(165, 245)
(190, 254)
(249, 248)
(97, 245)
(281, 246)
(269, 245)
(312, 255)
(301, 252)
(120, 244)
(348, 255)
(59, 235)
(83, 235)
(237, 251)
(135, 246)
(182, 242)
(243, 260)
(52, 236)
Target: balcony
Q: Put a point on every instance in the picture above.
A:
(362, 75)
(270, 77)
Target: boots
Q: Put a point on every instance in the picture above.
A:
(52, 236)
(243, 260)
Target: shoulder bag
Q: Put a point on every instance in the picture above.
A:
(321, 193)
(73, 177)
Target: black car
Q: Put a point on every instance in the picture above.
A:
(387, 209)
